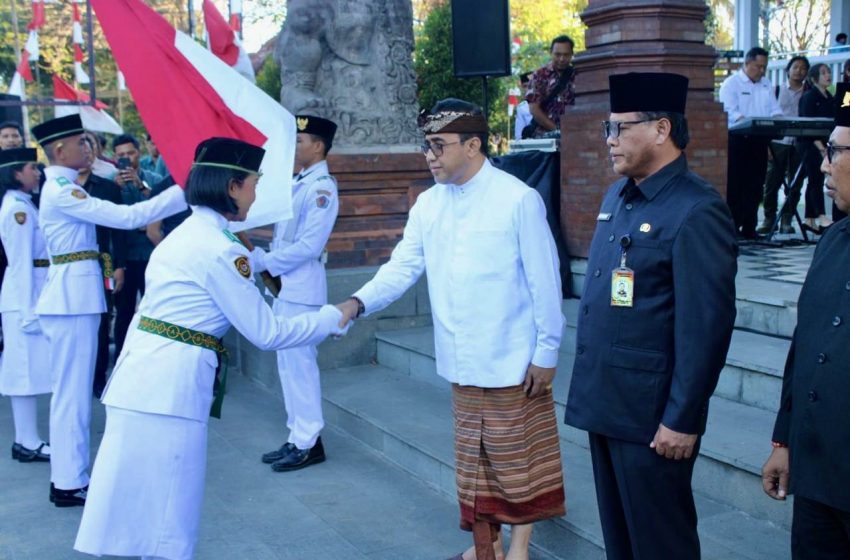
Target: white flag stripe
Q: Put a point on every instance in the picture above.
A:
(97, 120)
(16, 87)
(79, 74)
(235, 6)
(78, 33)
(122, 85)
(32, 44)
(274, 201)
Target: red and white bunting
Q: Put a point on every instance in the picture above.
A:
(80, 75)
(24, 66)
(236, 15)
(32, 45)
(37, 21)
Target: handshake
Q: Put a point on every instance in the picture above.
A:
(343, 315)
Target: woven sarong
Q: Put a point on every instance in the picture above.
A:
(507, 456)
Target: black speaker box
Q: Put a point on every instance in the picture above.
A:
(11, 112)
(481, 38)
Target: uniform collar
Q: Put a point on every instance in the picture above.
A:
(476, 179)
(210, 216)
(653, 184)
(319, 166)
(746, 79)
(17, 193)
(56, 171)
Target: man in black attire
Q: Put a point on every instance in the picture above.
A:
(655, 322)
(811, 456)
(112, 245)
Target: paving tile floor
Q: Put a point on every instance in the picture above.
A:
(355, 506)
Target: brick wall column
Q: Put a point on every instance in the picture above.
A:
(635, 36)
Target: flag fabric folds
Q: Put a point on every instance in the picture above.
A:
(94, 118)
(185, 94)
(224, 43)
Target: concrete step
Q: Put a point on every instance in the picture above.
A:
(409, 422)
(737, 440)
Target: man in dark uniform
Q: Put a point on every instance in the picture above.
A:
(655, 322)
(812, 432)
(112, 245)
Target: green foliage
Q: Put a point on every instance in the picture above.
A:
(532, 22)
(268, 78)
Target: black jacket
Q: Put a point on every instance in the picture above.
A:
(109, 240)
(658, 361)
(814, 414)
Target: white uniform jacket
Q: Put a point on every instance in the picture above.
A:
(68, 217)
(199, 278)
(493, 278)
(741, 97)
(23, 243)
(299, 243)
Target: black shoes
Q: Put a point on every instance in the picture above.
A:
(300, 458)
(277, 455)
(25, 455)
(68, 498)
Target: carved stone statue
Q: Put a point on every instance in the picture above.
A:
(350, 61)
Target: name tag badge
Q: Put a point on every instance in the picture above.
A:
(603, 217)
(622, 287)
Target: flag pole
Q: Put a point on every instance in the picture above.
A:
(26, 123)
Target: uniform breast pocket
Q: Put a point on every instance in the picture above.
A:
(492, 254)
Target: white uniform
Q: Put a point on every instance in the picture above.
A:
(25, 368)
(147, 483)
(71, 303)
(296, 256)
(493, 278)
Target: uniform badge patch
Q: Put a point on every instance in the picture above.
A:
(243, 267)
(323, 201)
(21, 217)
(645, 228)
(76, 193)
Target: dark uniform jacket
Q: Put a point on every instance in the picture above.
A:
(814, 415)
(109, 240)
(658, 361)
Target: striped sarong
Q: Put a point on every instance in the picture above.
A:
(507, 456)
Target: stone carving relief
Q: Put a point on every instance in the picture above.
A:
(350, 61)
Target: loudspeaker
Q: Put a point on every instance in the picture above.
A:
(481, 38)
(11, 112)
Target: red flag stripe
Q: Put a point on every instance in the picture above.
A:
(24, 66)
(177, 104)
(220, 34)
(37, 21)
(76, 12)
(235, 22)
(78, 53)
(64, 90)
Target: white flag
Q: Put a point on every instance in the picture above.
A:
(32, 44)
(80, 75)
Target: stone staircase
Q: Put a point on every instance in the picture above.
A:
(401, 409)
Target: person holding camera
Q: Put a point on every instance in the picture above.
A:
(551, 89)
(136, 184)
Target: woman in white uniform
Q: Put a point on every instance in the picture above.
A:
(147, 485)
(24, 372)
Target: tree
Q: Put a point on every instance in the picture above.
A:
(531, 22)
(268, 78)
(719, 23)
(797, 25)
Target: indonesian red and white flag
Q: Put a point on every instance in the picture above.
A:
(223, 41)
(38, 20)
(94, 118)
(185, 94)
(236, 15)
(16, 86)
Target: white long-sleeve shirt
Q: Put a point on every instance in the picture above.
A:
(493, 278)
(741, 97)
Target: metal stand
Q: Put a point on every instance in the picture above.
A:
(789, 191)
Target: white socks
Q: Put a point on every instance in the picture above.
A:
(25, 416)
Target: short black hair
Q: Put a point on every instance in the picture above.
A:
(125, 139)
(814, 72)
(840, 36)
(754, 53)
(461, 106)
(208, 186)
(326, 142)
(8, 181)
(794, 59)
(678, 126)
(562, 39)
(12, 124)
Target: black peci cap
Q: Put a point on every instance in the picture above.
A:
(56, 129)
(639, 92)
(316, 125)
(229, 153)
(17, 156)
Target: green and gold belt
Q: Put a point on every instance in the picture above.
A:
(193, 338)
(75, 257)
(41, 263)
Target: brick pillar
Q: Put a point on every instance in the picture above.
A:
(635, 36)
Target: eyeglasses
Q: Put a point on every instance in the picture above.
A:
(436, 148)
(832, 148)
(612, 129)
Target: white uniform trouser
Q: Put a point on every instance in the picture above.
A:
(73, 345)
(299, 378)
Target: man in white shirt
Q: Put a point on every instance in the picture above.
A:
(493, 280)
(747, 93)
(523, 112)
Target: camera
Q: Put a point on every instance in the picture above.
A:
(123, 163)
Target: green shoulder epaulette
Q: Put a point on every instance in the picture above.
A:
(63, 181)
(229, 234)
